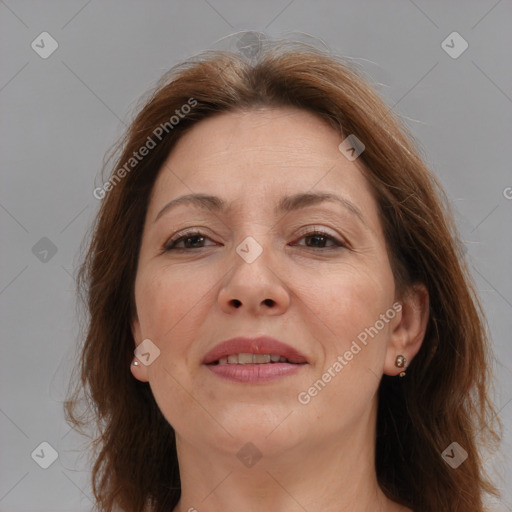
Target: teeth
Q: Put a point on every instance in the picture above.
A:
(252, 359)
(261, 358)
(245, 358)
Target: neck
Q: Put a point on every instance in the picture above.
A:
(336, 474)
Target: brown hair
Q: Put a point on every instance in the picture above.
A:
(445, 395)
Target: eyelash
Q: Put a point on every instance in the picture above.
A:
(170, 245)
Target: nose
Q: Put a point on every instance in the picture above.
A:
(256, 287)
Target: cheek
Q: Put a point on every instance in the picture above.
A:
(349, 300)
(172, 392)
(348, 307)
(166, 301)
(168, 306)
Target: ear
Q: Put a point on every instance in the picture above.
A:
(408, 328)
(140, 372)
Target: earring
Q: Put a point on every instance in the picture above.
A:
(135, 363)
(401, 362)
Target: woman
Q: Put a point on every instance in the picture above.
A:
(279, 318)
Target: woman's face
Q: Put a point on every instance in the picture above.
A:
(258, 269)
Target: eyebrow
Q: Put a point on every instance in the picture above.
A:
(285, 205)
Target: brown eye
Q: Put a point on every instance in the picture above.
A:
(192, 240)
(319, 238)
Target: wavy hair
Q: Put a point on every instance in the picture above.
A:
(445, 396)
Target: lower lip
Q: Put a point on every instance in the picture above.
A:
(254, 373)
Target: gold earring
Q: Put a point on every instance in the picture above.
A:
(401, 362)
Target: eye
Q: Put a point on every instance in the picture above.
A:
(196, 240)
(318, 238)
(189, 240)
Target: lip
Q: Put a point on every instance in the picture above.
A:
(260, 345)
(258, 372)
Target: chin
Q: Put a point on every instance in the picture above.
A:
(269, 427)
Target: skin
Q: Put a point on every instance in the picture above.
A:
(311, 294)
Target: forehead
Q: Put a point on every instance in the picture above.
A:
(277, 137)
(260, 155)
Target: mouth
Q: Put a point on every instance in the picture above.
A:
(253, 360)
(247, 358)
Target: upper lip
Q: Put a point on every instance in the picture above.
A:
(259, 345)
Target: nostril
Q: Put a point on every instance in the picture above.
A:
(269, 302)
(236, 303)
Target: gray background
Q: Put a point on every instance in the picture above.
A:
(59, 115)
